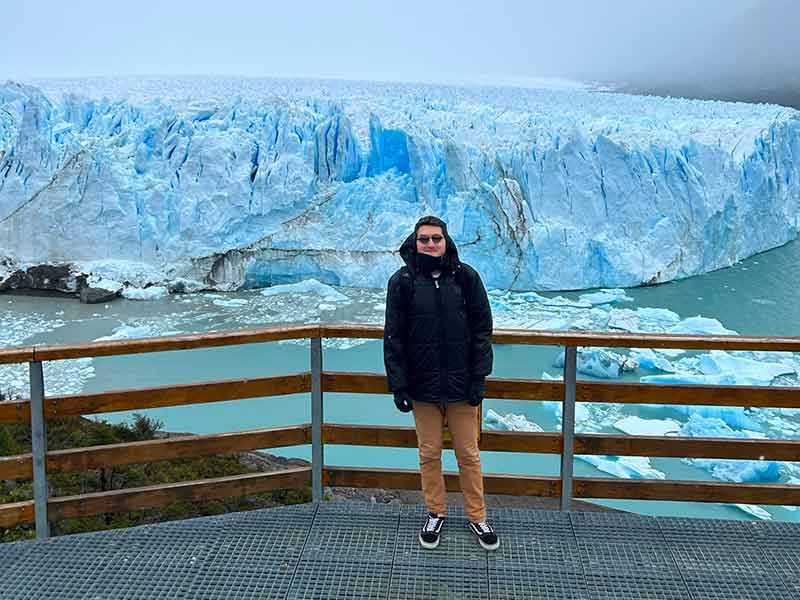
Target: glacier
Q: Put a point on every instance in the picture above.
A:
(248, 183)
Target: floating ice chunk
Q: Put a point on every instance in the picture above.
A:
(738, 471)
(610, 296)
(125, 332)
(633, 425)
(565, 302)
(231, 303)
(624, 318)
(656, 320)
(552, 324)
(626, 467)
(600, 363)
(701, 326)
(547, 377)
(510, 422)
(308, 286)
(588, 416)
(716, 421)
(718, 362)
(756, 511)
(671, 352)
(155, 292)
(648, 359)
(721, 368)
(700, 379)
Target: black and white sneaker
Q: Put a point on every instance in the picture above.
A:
(486, 535)
(429, 536)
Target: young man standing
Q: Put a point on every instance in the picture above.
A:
(438, 351)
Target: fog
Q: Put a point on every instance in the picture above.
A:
(732, 49)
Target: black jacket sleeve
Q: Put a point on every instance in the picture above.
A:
(394, 335)
(479, 314)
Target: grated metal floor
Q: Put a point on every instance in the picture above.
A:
(355, 550)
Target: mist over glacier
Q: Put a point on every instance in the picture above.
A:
(243, 183)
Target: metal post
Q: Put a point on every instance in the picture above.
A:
(39, 449)
(568, 425)
(317, 455)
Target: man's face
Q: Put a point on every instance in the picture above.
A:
(430, 240)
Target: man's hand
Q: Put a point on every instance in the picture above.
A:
(403, 401)
(477, 390)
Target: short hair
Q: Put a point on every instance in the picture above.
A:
(431, 220)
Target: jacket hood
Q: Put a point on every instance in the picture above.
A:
(408, 252)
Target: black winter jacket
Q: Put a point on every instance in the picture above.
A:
(437, 335)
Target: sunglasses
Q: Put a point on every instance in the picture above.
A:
(436, 239)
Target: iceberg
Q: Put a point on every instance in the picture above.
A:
(606, 297)
(625, 467)
(718, 362)
(510, 422)
(739, 471)
(310, 286)
(701, 326)
(127, 332)
(718, 367)
(250, 183)
(232, 303)
(151, 293)
(735, 417)
(600, 363)
(755, 510)
(648, 359)
(633, 425)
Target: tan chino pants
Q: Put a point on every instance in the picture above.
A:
(462, 423)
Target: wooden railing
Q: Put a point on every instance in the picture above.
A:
(35, 411)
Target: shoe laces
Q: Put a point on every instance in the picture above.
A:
(483, 527)
(431, 523)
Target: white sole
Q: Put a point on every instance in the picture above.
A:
(429, 546)
(489, 547)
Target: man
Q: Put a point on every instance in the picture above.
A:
(438, 351)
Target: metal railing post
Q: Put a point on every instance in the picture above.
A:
(568, 425)
(317, 454)
(39, 450)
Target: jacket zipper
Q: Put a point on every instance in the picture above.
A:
(442, 358)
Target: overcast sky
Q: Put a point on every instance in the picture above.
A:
(411, 40)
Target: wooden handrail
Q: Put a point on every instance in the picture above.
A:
(185, 491)
(686, 491)
(10, 356)
(595, 391)
(584, 487)
(407, 479)
(175, 342)
(500, 336)
(83, 459)
(587, 443)
(181, 446)
(374, 383)
(16, 513)
(155, 397)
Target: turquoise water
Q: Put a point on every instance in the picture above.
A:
(754, 297)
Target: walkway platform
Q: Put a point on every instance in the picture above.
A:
(358, 550)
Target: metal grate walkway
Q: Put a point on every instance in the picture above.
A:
(358, 550)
